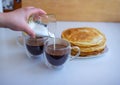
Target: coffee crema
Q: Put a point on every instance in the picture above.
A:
(57, 56)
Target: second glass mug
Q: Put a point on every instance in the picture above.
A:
(57, 52)
(34, 46)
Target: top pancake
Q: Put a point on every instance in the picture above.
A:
(84, 37)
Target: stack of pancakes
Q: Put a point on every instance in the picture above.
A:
(90, 40)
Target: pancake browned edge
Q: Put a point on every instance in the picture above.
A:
(90, 40)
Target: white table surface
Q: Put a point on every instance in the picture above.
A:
(17, 69)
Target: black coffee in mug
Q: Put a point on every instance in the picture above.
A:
(35, 46)
(56, 56)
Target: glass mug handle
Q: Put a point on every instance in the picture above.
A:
(77, 54)
(20, 40)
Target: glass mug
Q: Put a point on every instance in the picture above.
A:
(57, 52)
(34, 46)
(39, 24)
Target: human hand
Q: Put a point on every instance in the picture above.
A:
(17, 19)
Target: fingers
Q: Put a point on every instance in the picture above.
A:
(29, 31)
(33, 10)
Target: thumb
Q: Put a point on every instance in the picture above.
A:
(29, 31)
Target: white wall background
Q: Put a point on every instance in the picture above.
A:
(1, 6)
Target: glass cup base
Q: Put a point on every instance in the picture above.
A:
(53, 66)
(34, 56)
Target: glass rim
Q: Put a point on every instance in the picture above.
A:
(66, 46)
